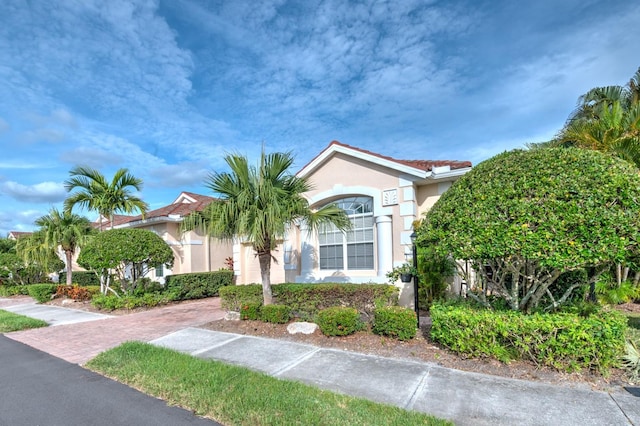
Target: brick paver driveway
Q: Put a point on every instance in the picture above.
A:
(78, 343)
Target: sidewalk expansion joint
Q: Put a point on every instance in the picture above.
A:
(295, 362)
(217, 345)
(416, 393)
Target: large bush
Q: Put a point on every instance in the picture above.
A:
(565, 341)
(305, 300)
(125, 251)
(522, 218)
(199, 284)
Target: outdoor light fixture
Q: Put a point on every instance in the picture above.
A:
(415, 277)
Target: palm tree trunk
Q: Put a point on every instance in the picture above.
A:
(69, 257)
(264, 257)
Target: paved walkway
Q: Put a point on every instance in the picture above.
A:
(466, 398)
(81, 341)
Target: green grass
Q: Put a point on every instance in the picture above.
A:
(238, 396)
(14, 322)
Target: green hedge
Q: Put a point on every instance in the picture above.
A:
(250, 311)
(82, 278)
(110, 302)
(395, 321)
(233, 297)
(42, 292)
(339, 321)
(198, 285)
(565, 341)
(306, 300)
(13, 290)
(277, 314)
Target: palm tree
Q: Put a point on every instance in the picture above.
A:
(107, 198)
(607, 119)
(259, 204)
(64, 230)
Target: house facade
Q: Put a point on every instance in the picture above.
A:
(193, 251)
(383, 196)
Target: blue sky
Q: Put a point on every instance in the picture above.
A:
(165, 88)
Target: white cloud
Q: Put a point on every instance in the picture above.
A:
(44, 192)
(178, 175)
(42, 135)
(92, 157)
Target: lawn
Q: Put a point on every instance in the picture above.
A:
(14, 322)
(238, 396)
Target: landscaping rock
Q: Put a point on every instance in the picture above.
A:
(232, 316)
(302, 327)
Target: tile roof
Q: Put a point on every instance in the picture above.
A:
(18, 234)
(426, 165)
(174, 209)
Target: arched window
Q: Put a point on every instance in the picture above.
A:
(357, 243)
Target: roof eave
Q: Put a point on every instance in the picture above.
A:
(335, 148)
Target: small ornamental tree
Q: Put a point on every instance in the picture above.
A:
(125, 251)
(522, 218)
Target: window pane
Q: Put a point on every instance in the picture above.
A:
(358, 241)
(360, 256)
(331, 257)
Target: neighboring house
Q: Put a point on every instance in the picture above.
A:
(14, 235)
(383, 196)
(194, 252)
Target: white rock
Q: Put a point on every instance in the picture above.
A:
(232, 316)
(302, 327)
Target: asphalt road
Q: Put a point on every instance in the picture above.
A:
(39, 389)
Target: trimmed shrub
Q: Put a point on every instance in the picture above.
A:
(42, 292)
(199, 284)
(111, 302)
(338, 321)
(395, 321)
(250, 311)
(278, 314)
(305, 300)
(234, 297)
(565, 341)
(76, 292)
(13, 290)
(81, 278)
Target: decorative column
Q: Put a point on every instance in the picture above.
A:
(385, 244)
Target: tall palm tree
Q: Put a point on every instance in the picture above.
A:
(107, 198)
(259, 204)
(607, 119)
(58, 230)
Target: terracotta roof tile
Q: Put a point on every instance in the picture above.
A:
(18, 234)
(178, 209)
(426, 165)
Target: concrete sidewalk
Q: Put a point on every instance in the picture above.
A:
(465, 398)
(54, 315)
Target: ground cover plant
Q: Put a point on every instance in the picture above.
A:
(237, 396)
(13, 322)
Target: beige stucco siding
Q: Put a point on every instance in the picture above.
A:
(349, 172)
